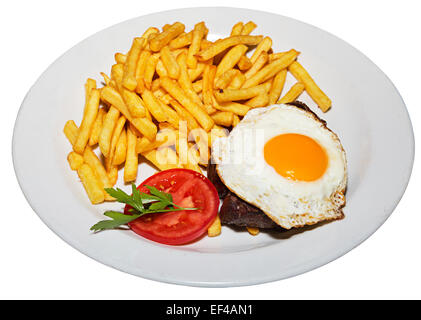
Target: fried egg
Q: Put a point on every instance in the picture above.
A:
(285, 161)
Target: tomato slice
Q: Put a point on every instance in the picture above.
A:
(189, 189)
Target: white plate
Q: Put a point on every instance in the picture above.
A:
(368, 114)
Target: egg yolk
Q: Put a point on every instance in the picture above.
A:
(296, 157)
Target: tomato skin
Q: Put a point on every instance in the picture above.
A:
(189, 189)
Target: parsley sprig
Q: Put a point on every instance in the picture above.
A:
(142, 203)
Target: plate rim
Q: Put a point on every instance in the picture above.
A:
(297, 271)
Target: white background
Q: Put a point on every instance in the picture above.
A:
(35, 263)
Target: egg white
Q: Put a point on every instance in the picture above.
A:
(289, 203)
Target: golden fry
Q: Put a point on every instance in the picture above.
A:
(223, 44)
(149, 31)
(198, 33)
(184, 80)
(134, 103)
(311, 87)
(75, 160)
(260, 62)
(130, 166)
(97, 127)
(223, 118)
(244, 63)
(120, 149)
(293, 93)
(277, 86)
(235, 120)
(234, 107)
(89, 85)
(177, 93)
(271, 69)
(90, 114)
(140, 70)
(241, 94)
(225, 79)
(197, 72)
(150, 70)
(152, 103)
(236, 29)
(170, 63)
(181, 41)
(215, 228)
(161, 70)
(120, 58)
(184, 115)
(263, 46)
(91, 159)
(92, 185)
(163, 38)
(248, 28)
(237, 81)
(253, 231)
(129, 76)
(258, 101)
(104, 139)
(231, 59)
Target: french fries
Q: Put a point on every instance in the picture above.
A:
(171, 95)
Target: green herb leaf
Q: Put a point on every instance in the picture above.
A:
(141, 203)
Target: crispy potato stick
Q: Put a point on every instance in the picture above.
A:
(235, 120)
(207, 88)
(129, 76)
(311, 87)
(263, 46)
(231, 59)
(241, 94)
(166, 98)
(117, 72)
(244, 63)
(253, 231)
(166, 27)
(201, 139)
(140, 70)
(237, 81)
(215, 228)
(277, 86)
(172, 116)
(170, 63)
(108, 125)
(234, 107)
(217, 132)
(150, 70)
(184, 80)
(120, 149)
(181, 41)
(260, 62)
(144, 145)
(92, 160)
(113, 175)
(223, 44)
(275, 56)
(156, 84)
(153, 105)
(225, 79)
(198, 33)
(144, 125)
(97, 127)
(197, 86)
(163, 38)
(236, 29)
(223, 118)
(120, 58)
(184, 115)
(271, 69)
(75, 160)
(259, 101)
(119, 127)
(70, 131)
(177, 93)
(130, 166)
(90, 114)
(92, 185)
(89, 85)
(149, 31)
(106, 78)
(248, 28)
(134, 103)
(293, 93)
(197, 72)
(162, 164)
(161, 70)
